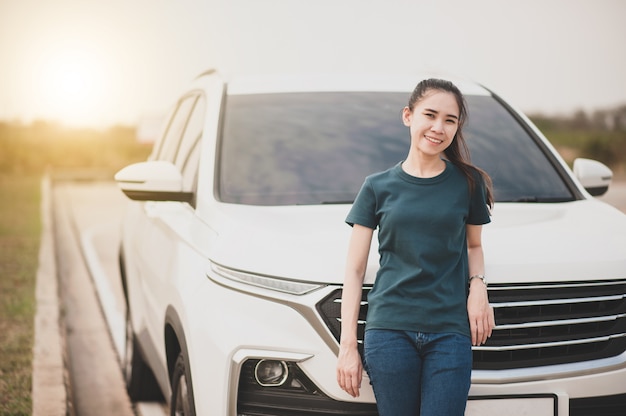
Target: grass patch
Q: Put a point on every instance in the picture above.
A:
(20, 229)
(26, 152)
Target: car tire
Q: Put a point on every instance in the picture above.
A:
(182, 403)
(140, 382)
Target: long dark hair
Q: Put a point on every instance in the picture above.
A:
(458, 153)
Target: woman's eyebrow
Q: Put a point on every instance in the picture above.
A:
(437, 112)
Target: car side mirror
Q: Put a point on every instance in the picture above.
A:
(593, 175)
(155, 180)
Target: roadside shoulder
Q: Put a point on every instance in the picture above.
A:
(49, 394)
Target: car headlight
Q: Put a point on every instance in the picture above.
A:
(292, 287)
(271, 373)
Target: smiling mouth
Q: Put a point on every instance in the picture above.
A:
(433, 140)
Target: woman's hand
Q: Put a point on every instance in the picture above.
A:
(480, 313)
(349, 366)
(349, 370)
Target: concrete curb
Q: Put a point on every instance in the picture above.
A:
(49, 394)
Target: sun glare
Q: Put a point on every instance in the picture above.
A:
(72, 85)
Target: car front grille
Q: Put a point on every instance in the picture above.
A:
(536, 324)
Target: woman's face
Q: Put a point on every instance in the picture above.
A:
(433, 122)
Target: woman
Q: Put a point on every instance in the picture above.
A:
(429, 302)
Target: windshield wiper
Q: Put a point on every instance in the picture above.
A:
(539, 199)
(337, 202)
(525, 199)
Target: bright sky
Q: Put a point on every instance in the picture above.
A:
(101, 62)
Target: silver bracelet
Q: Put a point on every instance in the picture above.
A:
(478, 276)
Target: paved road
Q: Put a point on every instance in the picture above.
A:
(87, 224)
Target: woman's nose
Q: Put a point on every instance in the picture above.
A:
(437, 126)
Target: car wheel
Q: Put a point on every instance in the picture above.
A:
(182, 403)
(140, 382)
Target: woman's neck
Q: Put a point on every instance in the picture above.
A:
(423, 167)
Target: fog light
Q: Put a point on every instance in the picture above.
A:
(271, 373)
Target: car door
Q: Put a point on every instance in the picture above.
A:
(164, 224)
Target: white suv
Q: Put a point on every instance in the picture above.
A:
(233, 254)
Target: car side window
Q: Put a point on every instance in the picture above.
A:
(158, 144)
(188, 155)
(171, 141)
(192, 134)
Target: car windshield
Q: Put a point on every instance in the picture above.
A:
(317, 148)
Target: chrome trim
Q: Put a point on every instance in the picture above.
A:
(557, 286)
(358, 321)
(550, 344)
(362, 303)
(541, 324)
(283, 365)
(549, 372)
(564, 301)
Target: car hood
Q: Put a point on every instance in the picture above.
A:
(526, 242)
(572, 241)
(307, 242)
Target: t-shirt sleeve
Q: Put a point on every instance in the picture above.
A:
(363, 211)
(479, 210)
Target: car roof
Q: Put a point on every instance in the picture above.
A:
(332, 82)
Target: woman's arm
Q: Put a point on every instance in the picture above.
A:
(349, 367)
(480, 313)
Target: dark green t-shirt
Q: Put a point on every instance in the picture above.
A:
(422, 284)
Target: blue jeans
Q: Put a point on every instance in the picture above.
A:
(416, 373)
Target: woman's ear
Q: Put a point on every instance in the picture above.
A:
(406, 116)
